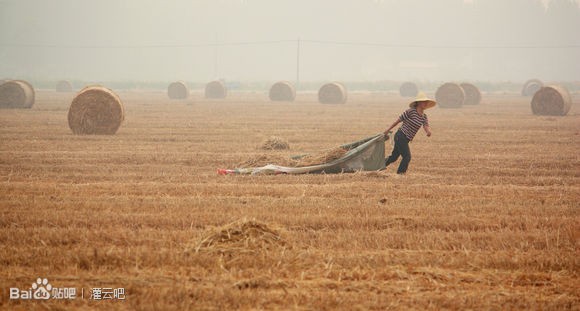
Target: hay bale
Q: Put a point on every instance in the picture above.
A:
(16, 94)
(95, 110)
(64, 86)
(216, 90)
(242, 236)
(531, 87)
(282, 91)
(553, 100)
(275, 143)
(450, 95)
(408, 89)
(178, 90)
(332, 93)
(472, 94)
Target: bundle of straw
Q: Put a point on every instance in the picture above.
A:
(64, 86)
(16, 94)
(216, 90)
(551, 100)
(95, 110)
(408, 89)
(282, 91)
(178, 90)
(332, 93)
(450, 95)
(275, 143)
(242, 236)
(472, 94)
(531, 87)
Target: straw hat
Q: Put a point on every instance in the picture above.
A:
(421, 97)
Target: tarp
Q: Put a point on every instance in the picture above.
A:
(364, 155)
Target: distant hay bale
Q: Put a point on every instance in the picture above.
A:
(215, 90)
(275, 143)
(243, 236)
(16, 94)
(64, 86)
(282, 91)
(332, 93)
(408, 89)
(472, 94)
(95, 110)
(531, 87)
(450, 95)
(551, 100)
(178, 90)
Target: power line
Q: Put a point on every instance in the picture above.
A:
(418, 46)
(273, 42)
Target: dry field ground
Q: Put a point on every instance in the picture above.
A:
(487, 218)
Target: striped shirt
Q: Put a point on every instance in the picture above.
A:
(412, 122)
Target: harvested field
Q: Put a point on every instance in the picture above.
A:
(487, 218)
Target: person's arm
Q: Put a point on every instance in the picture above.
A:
(391, 127)
(426, 127)
(427, 130)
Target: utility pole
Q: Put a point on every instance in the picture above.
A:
(215, 58)
(298, 63)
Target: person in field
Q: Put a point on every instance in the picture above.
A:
(413, 119)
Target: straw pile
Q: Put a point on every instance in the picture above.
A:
(241, 237)
(178, 90)
(531, 87)
(321, 158)
(282, 91)
(275, 143)
(64, 86)
(472, 94)
(16, 94)
(216, 90)
(408, 89)
(95, 110)
(450, 95)
(332, 93)
(297, 161)
(551, 100)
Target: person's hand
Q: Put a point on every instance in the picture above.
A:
(386, 136)
(429, 134)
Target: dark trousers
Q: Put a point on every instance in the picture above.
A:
(401, 148)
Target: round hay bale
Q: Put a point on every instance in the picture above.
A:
(64, 86)
(450, 95)
(332, 93)
(16, 94)
(282, 91)
(95, 110)
(178, 90)
(531, 87)
(275, 143)
(408, 89)
(216, 90)
(552, 100)
(472, 94)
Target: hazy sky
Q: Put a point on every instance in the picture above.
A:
(349, 40)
